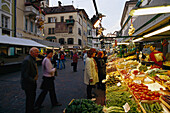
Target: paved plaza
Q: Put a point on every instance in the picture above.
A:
(68, 85)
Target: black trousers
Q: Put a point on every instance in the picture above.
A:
(89, 91)
(74, 66)
(30, 99)
(48, 86)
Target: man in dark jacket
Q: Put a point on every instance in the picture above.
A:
(29, 75)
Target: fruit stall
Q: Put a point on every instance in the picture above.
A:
(132, 87)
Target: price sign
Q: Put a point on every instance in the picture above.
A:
(118, 84)
(126, 107)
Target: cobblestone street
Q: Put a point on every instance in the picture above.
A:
(68, 85)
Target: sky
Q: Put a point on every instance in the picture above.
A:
(113, 10)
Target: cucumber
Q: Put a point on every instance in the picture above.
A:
(152, 106)
(144, 106)
(159, 106)
(156, 111)
(147, 106)
(156, 107)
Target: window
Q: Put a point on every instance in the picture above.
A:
(5, 21)
(89, 32)
(96, 45)
(51, 19)
(49, 30)
(61, 41)
(35, 29)
(26, 24)
(70, 17)
(62, 18)
(70, 40)
(53, 31)
(31, 26)
(70, 30)
(79, 41)
(97, 40)
(79, 31)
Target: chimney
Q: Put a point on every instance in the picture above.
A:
(59, 3)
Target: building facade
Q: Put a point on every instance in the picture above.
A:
(7, 17)
(67, 26)
(28, 12)
(125, 15)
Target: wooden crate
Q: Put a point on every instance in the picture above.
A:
(68, 104)
(166, 104)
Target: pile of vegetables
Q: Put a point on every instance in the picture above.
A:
(150, 108)
(111, 80)
(143, 68)
(119, 99)
(115, 88)
(83, 106)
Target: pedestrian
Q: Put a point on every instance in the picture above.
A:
(84, 56)
(101, 69)
(75, 61)
(29, 76)
(62, 60)
(48, 82)
(55, 57)
(91, 72)
(58, 60)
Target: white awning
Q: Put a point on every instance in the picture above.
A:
(4, 39)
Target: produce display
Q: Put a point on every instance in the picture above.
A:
(119, 99)
(146, 87)
(143, 68)
(166, 98)
(152, 107)
(83, 106)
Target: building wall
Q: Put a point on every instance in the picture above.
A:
(75, 27)
(20, 23)
(6, 10)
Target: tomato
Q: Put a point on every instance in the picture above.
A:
(145, 91)
(147, 98)
(161, 89)
(151, 98)
(143, 99)
(156, 94)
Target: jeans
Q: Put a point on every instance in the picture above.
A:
(62, 62)
(58, 64)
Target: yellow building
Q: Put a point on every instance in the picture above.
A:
(27, 13)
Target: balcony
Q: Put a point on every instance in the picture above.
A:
(70, 21)
(31, 9)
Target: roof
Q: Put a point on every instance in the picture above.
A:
(48, 43)
(126, 8)
(60, 9)
(5, 39)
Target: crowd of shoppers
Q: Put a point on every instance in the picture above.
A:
(94, 72)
